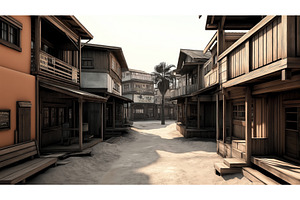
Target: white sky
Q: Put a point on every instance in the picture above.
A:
(148, 40)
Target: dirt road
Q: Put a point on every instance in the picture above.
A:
(150, 154)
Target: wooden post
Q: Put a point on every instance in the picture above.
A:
(199, 78)
(198, 114)
(80, 124)
(248, 137)
(186, 115)
(37, 42)
(102, 120)
(224, 118)
(114, 113)
(217, 118)
(186, 83)
(79, 58)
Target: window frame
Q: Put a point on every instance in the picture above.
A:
(87, 59)
(12, 24)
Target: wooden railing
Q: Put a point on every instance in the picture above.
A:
(211, 77)
(54, 66)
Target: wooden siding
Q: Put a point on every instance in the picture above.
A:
(237, 61)
(265, 44)
(211, 77)
(100, 60)
(223, 70)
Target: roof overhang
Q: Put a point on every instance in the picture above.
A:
(117, 51)
(232, 22)
(86, 96)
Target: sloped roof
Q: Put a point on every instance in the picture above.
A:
(117, 51)
(197, 57)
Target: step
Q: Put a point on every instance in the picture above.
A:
(222, 169)
(235, 162)
(239, 144)
(238, 153)
(257, 177)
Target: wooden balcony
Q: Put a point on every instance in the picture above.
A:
(268, 48)
(53, 66)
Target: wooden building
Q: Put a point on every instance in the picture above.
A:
(139, 87)
(194, 115)
(56, 63)
(102, 68)
(260, 95)
(17, 85)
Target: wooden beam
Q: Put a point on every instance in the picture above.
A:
(286, 74)
(114, 113)
(102, 121)
(217, 118)
(80, 124)
(220, 41)
(186, 115)
(210, 43)
(37, 42)
(271, 68)
(224, 118)
(248, 136)
(223, 22)
(198, 114)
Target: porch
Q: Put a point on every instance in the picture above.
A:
(282, 168)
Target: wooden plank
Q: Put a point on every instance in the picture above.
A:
(224, 117)
(80, 107)
(256, 56)
(17, 158)
(255, 175)
(280, 37)
(279, 167)
(16, 147)
(265, 46)
(234, 162)
(217, 118)
(224, 169)
(275, 40)
(29, 171)
(17, 153)
(269, 44)
(211, 42)
(260, 48)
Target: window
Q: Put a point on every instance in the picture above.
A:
(10, 32)
(140, 111)
(239, 111)
(87, 63)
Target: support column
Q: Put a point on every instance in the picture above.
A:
(114, 113)
(186, 116)
(198, 114)
(217, 118)
(80, 124)
(102, 120)
(224, 118)
(37, 42)
(248, 136)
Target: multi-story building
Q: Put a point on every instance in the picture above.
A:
(56, 64)
(101, 74)
(170, 105)
(139, 87)
(17, 85)
(259, 95)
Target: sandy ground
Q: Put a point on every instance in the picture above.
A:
(149, 154)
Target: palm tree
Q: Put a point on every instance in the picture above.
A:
(163, 76)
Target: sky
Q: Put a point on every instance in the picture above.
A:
(147, 40)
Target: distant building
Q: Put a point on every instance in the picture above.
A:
(139, 87)
(170, 105)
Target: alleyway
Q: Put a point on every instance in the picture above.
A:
(150, 154)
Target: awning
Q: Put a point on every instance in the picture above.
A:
(74, 92)
(119, 97)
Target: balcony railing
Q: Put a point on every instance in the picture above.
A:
(264, 49)
(184, 90)
(54, 66)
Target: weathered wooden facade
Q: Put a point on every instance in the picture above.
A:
(102, 68)
(194, 111)
(139, 87)
(260, 94)
(56, 63)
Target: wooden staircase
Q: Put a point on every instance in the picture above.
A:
(234, 164)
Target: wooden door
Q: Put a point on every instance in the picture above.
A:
(23, 121)
(292, 148)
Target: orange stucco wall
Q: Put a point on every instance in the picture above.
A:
(16, 83)
(16, 60)
(15, 86)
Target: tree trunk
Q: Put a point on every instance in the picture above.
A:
(163, 110)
